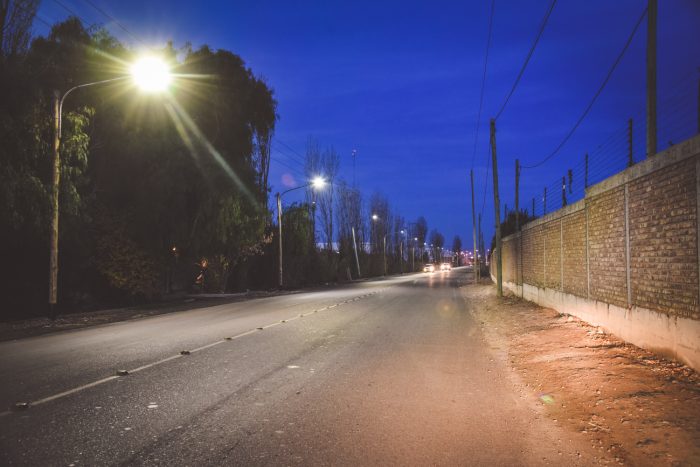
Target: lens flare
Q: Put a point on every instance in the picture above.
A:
(151, 74)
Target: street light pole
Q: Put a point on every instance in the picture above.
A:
(58, 100)
(317, 183)
(279, 225)
(384, 254)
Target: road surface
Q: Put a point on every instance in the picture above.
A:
(389, 372)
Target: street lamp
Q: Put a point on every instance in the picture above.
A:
(151, 75)
(403, 235)
(317, 183)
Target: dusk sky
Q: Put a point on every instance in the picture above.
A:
(400, 82)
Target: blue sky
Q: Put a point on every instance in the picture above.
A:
(399, 81)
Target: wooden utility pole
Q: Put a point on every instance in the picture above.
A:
(497, 211)
(585, 178)
(55, 182)
(476, 257)
(630, 154)
(533, 207)
(517, 200)
(481, 247)
(652, 10)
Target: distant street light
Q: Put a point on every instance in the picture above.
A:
(149, 74)
(317, 183)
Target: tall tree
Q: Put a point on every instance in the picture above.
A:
(16, 18)
(457, 248)
(349, 216)
(330, 164)
(437, 241)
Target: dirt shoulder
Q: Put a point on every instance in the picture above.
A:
(635, 407)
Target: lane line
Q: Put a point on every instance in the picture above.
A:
(175, 357)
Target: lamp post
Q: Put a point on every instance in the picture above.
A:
(150, 74)
(413, 257)
(403, 234)
(316, 183)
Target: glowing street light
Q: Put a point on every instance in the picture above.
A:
(151, 75)
(317, 184)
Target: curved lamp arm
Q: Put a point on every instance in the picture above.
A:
(65, 94)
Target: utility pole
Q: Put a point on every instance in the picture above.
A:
(354, 247)
(630, 154)
(585, 179)
(413, 257)
(533, 207)
(497, 213)
(517, 201)
(354, 154)
(279, 237)
(55, 181)
(544, 201)
(476, 257)
(563, 191)
(652, 10)
(481, 248)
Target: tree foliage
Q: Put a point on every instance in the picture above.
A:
(141, 175)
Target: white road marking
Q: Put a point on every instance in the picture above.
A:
(174, 357)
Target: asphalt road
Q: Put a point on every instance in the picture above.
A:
(391, 372)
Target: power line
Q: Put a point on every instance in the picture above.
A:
(112, 18)
(483, 82)
(289, 147)
(71, 11)
(600, 90)
(294, 170)
(292, 155)
(527, 59)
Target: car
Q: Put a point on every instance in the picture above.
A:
(429, 268)
(445, 267)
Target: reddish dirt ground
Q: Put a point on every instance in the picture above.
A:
(635, 407)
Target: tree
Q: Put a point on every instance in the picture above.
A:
(457, 248)
(437, 241)
(421, 230)
(508, 225)
(141, 177)
(297, 225)
(322, 163)
(330, 164)
(16, 18)
(349, 216)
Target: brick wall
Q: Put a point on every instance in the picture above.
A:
(646, 216)
(607, 246)
(532, 256)
(575, 266)
(663, 240)
(552, 254)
